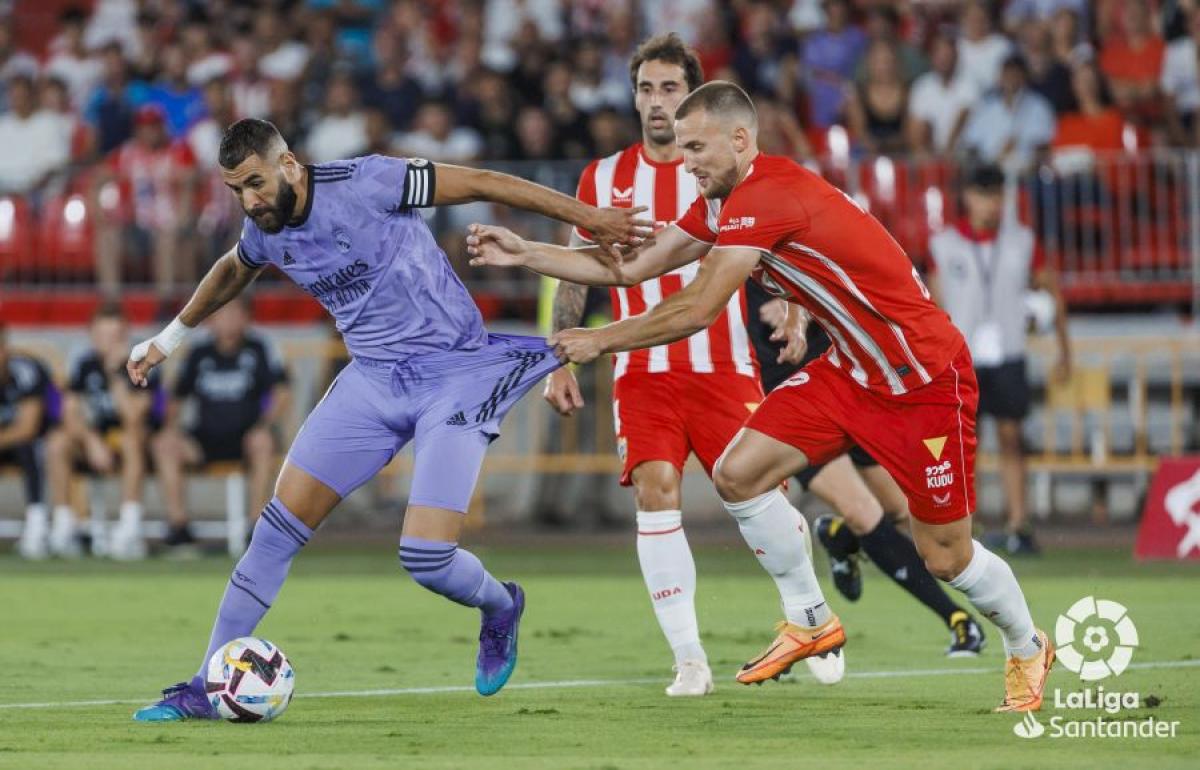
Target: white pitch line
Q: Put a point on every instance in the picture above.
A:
(573, 683)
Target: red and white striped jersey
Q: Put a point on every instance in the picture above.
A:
(820, 250)
(627, 179)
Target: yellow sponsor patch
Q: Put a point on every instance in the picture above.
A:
(935, 446)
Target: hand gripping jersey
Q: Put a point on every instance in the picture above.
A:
(628, 179)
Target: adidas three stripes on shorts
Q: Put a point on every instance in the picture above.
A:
(450, 405)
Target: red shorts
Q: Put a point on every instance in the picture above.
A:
(666, 415)
(925, 438)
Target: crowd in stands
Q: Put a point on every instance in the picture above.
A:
(138, 90)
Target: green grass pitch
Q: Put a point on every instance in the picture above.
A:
(588, 690)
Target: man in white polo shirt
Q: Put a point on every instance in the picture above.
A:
(981, 269)
(940, 102)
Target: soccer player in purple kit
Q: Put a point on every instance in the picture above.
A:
(424, 369)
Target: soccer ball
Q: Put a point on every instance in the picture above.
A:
(249, 680)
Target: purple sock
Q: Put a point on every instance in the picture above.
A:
(257, 578)
(458, 575)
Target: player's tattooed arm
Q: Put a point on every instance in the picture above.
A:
(562, 390)
(681, 315)
(569, 299)
(609, 227)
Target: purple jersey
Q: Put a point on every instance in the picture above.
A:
(362, 249)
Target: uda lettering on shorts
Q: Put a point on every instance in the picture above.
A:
(924, 438)
(450, 405)
(667, 415)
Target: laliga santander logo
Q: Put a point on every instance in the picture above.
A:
(1029, 727)
(1095, 638)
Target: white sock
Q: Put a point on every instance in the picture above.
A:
(64, 518)
(35, 516)
(670, 575)
(989, 584)
(131, 513)
(774, 530)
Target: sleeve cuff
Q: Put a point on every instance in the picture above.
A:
(694, 236)
(246, 258)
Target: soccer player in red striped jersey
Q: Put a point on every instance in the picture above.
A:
(897, 381)
(688, 396)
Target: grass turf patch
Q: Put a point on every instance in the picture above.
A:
(591, 673)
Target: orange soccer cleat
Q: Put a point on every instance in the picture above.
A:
(794, 643)
(1025, 678)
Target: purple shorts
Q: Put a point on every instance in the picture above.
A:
(448, 404)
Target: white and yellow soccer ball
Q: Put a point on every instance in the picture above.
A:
(249, 680)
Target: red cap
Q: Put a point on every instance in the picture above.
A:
(149, 115)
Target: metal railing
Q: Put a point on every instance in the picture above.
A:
(1121, 228)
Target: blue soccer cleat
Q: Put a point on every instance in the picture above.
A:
(498, 645)
(186, 700)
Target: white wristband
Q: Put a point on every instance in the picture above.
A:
(166, 340)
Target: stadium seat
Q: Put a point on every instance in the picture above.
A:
(17, 242)
(65, 247)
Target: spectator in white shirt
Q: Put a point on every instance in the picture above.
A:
(70, 61)
(31, 146)
(282, 59)
(54, 102)
(940, 102)
(1180, 82)
(503, 20)
(684, 17)
(342, 131)
(590, 90)
(1011, 125)
(435, 137)
(205, 62)
(981, 50)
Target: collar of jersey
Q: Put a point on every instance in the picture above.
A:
(308, 199)
(657, 163)
(971, 234)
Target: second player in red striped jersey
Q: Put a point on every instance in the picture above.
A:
(632, 178)
(689, 396)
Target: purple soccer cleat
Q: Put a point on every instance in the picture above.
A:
(498, 645)
(186, 700)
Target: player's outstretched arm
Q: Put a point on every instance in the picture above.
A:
(225, 280)
(679, 316)
(609, 227)
(489, 245)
